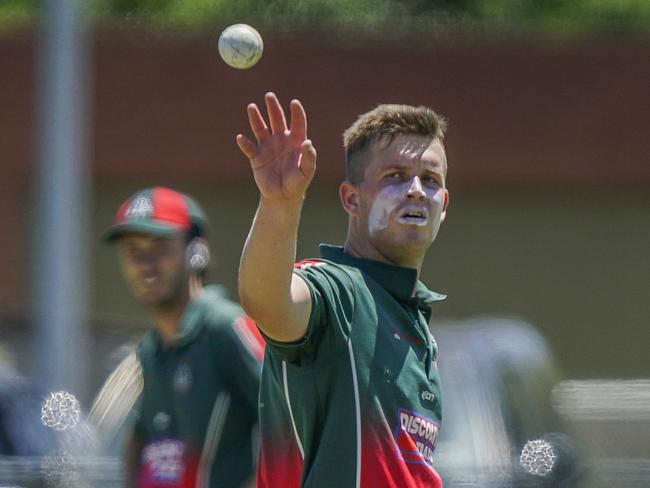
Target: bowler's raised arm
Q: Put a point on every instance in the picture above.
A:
(283, 161)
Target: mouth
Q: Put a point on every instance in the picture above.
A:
(149, 281)
(414, 217)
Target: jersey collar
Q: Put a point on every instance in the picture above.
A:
(192, 321)
(399, 281)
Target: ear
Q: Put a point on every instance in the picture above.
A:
(349, 195)
(445, 204)
(197, 255)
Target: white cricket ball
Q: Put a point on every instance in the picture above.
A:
(240, 46)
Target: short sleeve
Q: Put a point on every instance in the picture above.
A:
(332, 306)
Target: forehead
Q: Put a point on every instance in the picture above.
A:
(143, 240)
(407, 149)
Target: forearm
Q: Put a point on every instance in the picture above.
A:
(266, 270)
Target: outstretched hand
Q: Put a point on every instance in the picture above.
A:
(283, 159)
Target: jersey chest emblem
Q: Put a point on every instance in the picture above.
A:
(161, 421)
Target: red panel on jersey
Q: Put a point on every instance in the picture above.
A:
(280, 465)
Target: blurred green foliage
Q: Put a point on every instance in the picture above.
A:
(16, 13)
(555, 16)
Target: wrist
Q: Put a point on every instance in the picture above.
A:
(284, 206)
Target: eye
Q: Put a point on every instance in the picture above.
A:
(130, 253)
(430, 180)
(393, 175)
(129, 250)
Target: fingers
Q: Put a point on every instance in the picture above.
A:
(298, 120)
(277, 119)
(278, 126)
(307, 158)
(248, 147)
(276, 114)
(256, 121)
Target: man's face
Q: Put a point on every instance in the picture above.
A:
(402, 198)
(154, 267)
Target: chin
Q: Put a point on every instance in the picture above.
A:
(400, 253)
(148, 301)
(417, 239)
(149, 298)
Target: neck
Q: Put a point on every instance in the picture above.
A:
(353, 248)
(168, 322)
(169, 317)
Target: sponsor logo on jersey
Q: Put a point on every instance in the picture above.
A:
(427, 396)
(163, 461)
(416, 437)
(141, 207)
(183, 378)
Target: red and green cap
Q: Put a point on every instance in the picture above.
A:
(158, 211)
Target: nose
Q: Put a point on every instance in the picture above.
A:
(144, 262)
(415, 188)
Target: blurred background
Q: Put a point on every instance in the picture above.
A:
(549, 221)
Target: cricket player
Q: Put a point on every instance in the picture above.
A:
(350, 393)
(200, 363)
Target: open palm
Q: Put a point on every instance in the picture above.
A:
(283, 159)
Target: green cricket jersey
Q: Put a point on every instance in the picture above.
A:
(198, 407)
(357, 403)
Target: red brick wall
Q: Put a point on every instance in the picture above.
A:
(167, 109)
(520, 112)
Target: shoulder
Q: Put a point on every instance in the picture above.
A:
(324, 268)
(226, 322)
(147, 345)
(146, 350)
(219, 311)
(333, 285)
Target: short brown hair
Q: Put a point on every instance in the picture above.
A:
(387, 121)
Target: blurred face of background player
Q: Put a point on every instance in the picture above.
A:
(397, 208)
(155, 268)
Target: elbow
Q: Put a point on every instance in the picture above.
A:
(256, 308)
(249, 305)
(274, 322)
(282, 316)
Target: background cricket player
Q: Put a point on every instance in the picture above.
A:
(350, 393)
(200, 363)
